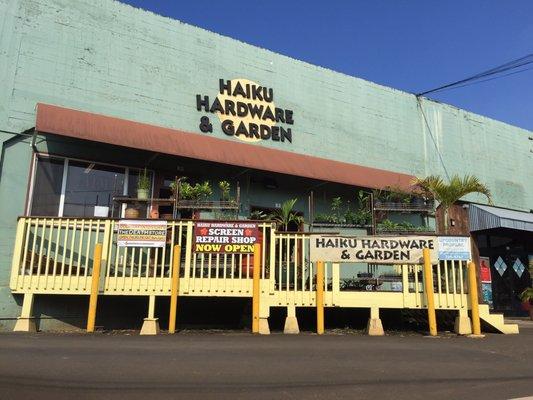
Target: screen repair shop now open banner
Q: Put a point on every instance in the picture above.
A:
(141, 233)
(225, 237)
(383, 249)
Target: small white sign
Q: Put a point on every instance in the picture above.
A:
(454, 248)
(101, 211)
(141, 233)
(372, 249)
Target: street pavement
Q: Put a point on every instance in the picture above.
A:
(238, 365)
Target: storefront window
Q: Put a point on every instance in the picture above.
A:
(47, 187)
(90, 189)
(87, 190)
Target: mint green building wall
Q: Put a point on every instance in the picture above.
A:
(14, 166)
(106, 57)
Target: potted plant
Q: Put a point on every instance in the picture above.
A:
(284, 218)
(379, 197)
(173, 188)
(197, 192)
(131, 213)
(194, 194)
(527, 301)
(336, 205)
(387, 226)
(258, 215)
(202, 191)
(143, 185)
(285, 215)
(186, 191)
(224, 187)
(322, 218)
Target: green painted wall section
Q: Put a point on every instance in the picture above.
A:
(106, 57)
(110, 58)
(14, 168)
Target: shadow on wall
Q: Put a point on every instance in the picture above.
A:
(69, 313)
(357, 319)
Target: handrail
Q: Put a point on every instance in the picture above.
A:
(54, 255)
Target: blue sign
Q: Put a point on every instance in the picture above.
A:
(454, 248)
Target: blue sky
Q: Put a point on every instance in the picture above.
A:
(409, 45)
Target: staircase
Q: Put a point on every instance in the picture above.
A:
(496, 321)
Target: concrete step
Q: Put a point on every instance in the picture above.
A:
(496, 321)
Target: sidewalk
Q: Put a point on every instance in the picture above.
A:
(522, 322)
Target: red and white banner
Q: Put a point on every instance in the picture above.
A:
(225, 237)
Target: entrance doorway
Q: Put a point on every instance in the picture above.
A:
(510, 253)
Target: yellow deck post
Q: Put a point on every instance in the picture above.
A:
(17, 252)
(320, 297)
(472, 290)
(428, 288)
(93, 300)
(26, 323)
(256, 288)
(175, 288)
(151, 323)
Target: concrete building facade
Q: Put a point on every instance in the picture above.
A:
(107, 58)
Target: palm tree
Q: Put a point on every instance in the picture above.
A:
(285, 215)
(449, 193)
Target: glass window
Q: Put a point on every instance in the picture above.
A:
(90, 189)
(47, 187)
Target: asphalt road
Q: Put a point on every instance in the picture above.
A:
(238, 365)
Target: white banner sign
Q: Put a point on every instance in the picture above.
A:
(141, 233)
(373, 249)
(454, 248)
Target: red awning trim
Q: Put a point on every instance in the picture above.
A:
(120, 132)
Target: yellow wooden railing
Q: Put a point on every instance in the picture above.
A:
(54, 256)
(295, 281)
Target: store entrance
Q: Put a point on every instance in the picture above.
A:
(509, 283)
(511, 257)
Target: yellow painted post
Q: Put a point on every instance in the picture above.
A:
(17, 253)
(93, 300)
(428, 288)
(474, 303)
(256, 288)
(320, 297)
(174, 289)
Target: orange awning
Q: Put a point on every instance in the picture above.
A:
(121, 132)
